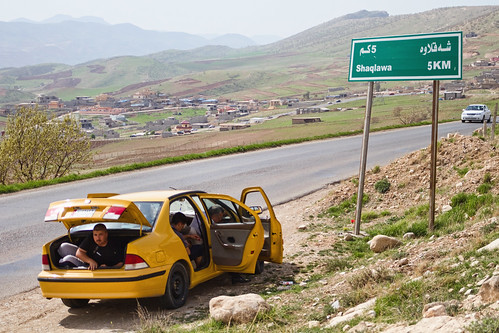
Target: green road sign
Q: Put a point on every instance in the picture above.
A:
(435, 56)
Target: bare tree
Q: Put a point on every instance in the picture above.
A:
(410, 117)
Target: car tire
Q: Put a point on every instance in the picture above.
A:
(177, 287)
(483, 119)
(260, 267)
(463, 121)
(490, 119)
(74, 302)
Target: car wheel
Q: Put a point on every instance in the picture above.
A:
(74, 302)
(177, 287)
(260, 267)
(463, 121)
(483, 119)
(490, 119)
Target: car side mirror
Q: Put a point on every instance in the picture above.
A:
(256, 209)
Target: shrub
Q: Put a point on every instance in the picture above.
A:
(369, 216)
(487, 178)
(337, 264)
(404, 303)
(382, 186)
(461, 172)
(420, 228)
(484, 188)
(470, 203)
(346, 206)
(485, 325)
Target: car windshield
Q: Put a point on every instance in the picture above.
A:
(109, 226)
(150, 210)
(474, 107)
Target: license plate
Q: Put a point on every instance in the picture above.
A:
(81, 213)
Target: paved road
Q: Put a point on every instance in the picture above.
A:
(284, 173)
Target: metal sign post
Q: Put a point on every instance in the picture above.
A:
(436, 56)
(493, 129)
(363, 157)
(434, 140)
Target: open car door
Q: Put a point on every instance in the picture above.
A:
(272, 251)
(236, 233)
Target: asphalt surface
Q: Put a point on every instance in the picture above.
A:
(284, 173)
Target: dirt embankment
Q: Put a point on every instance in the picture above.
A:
(463, 162)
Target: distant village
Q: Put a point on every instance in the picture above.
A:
(113, 113)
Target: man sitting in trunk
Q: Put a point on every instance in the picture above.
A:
(96, 251)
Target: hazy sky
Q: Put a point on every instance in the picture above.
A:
(252, 17)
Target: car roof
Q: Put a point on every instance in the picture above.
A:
(153, 195)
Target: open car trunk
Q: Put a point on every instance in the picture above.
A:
(124, 220)
(121, 236)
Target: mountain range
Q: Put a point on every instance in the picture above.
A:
(68, 40)
(310, 62)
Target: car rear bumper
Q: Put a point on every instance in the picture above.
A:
(102, 284)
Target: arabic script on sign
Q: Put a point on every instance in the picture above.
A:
(433, 48)
(370, 49)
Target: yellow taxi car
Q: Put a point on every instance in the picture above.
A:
(156, 263)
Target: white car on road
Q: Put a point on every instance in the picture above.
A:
(476, 112)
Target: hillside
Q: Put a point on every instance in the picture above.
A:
(310, 61)
(71, 41)
(333, 37)
(329, 274)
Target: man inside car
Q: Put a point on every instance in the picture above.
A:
(96, 251)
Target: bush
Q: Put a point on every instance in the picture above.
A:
(487, 178)
(369, 216)
(382, 186)
(484, 188)
(420, 228)
(470, 203)
(488, 324)
(346, 206)
(37, 147)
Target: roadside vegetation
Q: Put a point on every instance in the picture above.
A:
(333, 274)
(398, 298)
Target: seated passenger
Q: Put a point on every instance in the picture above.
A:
(96, 251)
(193, 231)
(195, 252)
(216, 213)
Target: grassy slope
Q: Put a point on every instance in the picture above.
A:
(310, 61)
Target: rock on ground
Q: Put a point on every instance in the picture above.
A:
(238, 309)
(380, 243)
(489, 291)
(441, 324)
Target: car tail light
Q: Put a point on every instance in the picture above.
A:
(52, 214)
(45, 262)
(133, 261)
(114, 212)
